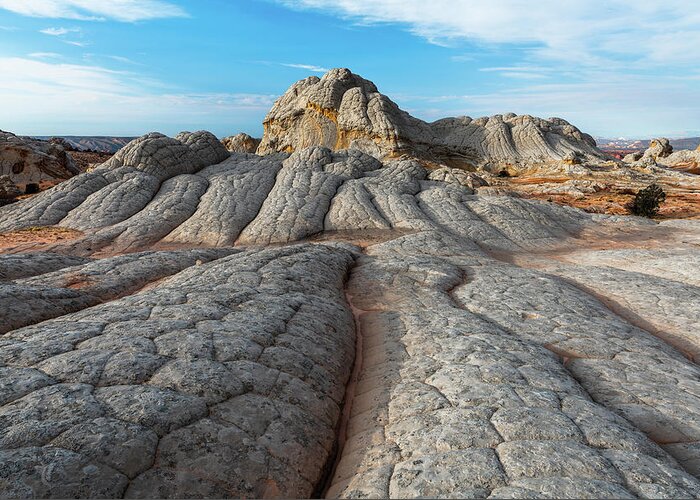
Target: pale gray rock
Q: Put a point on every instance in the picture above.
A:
(683, 159)
(106, 384)
(305, 186)
(24, 265)
(457, 176)
(56, 473)
(343, 110)
(497, 350)
(164, 157)
(49, 207)
(236, 190)
(443, 382)
(71, 288)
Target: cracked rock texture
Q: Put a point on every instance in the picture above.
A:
(325, 323)
(26, 160)
(342, 110)
(224, 380)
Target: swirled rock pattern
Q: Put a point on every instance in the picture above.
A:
(343, 110)
(328, 324)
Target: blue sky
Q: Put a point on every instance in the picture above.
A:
(125, 67)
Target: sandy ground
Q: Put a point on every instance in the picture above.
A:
(37, 235)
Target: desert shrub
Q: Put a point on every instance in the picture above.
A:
(646, 202)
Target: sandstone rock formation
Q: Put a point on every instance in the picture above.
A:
(457, 176)
(28, 161)
(658, 148)
(343, 110)
(240, 143)
(328, 324)
(660, 152)
(8, 189)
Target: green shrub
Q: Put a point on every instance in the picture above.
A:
(646, 202)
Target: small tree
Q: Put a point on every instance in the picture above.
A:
(646, 202)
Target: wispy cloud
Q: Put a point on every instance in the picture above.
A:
(45, 55)
(610, 67)
(606, 106)
(9, 28)
(76, 44)
(579, 31)
(536, 69)
(95, 10)
(59, 31)
(123, 59)
(73, 97)
(308, 67)
(520, 72)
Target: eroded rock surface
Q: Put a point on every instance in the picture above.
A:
(343, 110)
(32, 161)
(224, 380)
(240, 143)
(8, 189)
(423, 340)
(661, 152)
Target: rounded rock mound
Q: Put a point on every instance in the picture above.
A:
(342, 110)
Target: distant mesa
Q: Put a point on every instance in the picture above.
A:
(30, 161)
(342, 110)
(621, 147)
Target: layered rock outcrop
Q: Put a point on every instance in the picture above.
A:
(343, 110)
(30, 161)
(324, 323)
(240, 143)
(660, 152)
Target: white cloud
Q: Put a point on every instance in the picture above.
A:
(522, 68)
(582, 32)
(521, 72)
(45, 55)
(623, 66)
(93, 10)
(84, 99)
(523, 75)
(77, 44)
(122, 59)
(309, 67)
(59, 31)
(636, 106)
